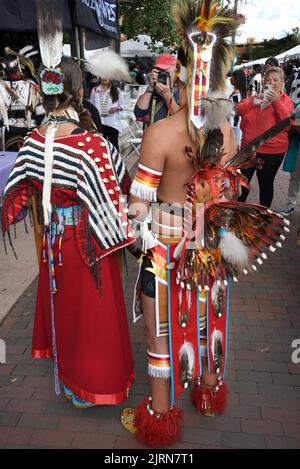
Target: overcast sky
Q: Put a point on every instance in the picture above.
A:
(268, 18)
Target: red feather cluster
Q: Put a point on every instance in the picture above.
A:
(158, 431)
(205, 399)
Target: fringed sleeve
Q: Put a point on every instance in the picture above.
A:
(14, 209)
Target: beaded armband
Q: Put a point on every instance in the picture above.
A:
(145, 183)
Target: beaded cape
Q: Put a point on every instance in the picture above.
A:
(89, 167)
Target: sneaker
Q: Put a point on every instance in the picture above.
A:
(287, 211)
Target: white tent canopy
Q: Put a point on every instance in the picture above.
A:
(294, 51)
(249, 64)
(131, 48)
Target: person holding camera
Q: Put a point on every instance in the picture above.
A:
(162, 96)
(260, 113)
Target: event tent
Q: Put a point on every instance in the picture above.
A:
(139, 47)
(292, 53)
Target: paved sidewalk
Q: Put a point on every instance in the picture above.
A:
(264, 410)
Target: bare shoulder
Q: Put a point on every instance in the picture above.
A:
(166, 127)
(162, 138)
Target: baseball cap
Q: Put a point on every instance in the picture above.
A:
(165, 61)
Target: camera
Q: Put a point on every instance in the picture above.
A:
(162, 77)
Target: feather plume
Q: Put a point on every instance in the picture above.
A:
(49, 26)
(187, 364)
(178, 249)
(217, 350)
(24, 59)
(218, 297)
(108, 65)
(25, 49)
(234, 250)
(217, 108)
(212, 150)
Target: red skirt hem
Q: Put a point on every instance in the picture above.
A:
(100, 399)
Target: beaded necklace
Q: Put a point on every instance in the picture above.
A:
(68, 116)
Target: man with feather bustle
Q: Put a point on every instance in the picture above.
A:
(196, 237)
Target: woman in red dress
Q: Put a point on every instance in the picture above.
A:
(77, 181)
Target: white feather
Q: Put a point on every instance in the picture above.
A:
(51, 49)
(109, 66)
(215, 335)
(25, 49)
(234, 250)
(214, 291)
(178, 249)
(30, 54)
(187, 348)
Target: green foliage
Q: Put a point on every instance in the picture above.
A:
(271, 47)
(151, 17)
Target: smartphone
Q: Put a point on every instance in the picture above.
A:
(267, 88)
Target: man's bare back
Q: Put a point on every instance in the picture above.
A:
(163, 149)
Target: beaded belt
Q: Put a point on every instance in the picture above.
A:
(68, 215)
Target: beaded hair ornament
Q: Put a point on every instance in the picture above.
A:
(52, 81)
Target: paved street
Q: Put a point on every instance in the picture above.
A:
(264, 410)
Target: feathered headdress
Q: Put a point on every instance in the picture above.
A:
(203, 28)
(109, 66)
(24, 60)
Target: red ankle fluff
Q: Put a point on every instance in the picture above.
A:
(157, 430)
(210, 398)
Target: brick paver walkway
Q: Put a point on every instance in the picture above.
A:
(264, 410)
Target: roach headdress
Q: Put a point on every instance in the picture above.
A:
(21, 59)
(203, 28)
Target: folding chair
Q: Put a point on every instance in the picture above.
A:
(133, 142)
